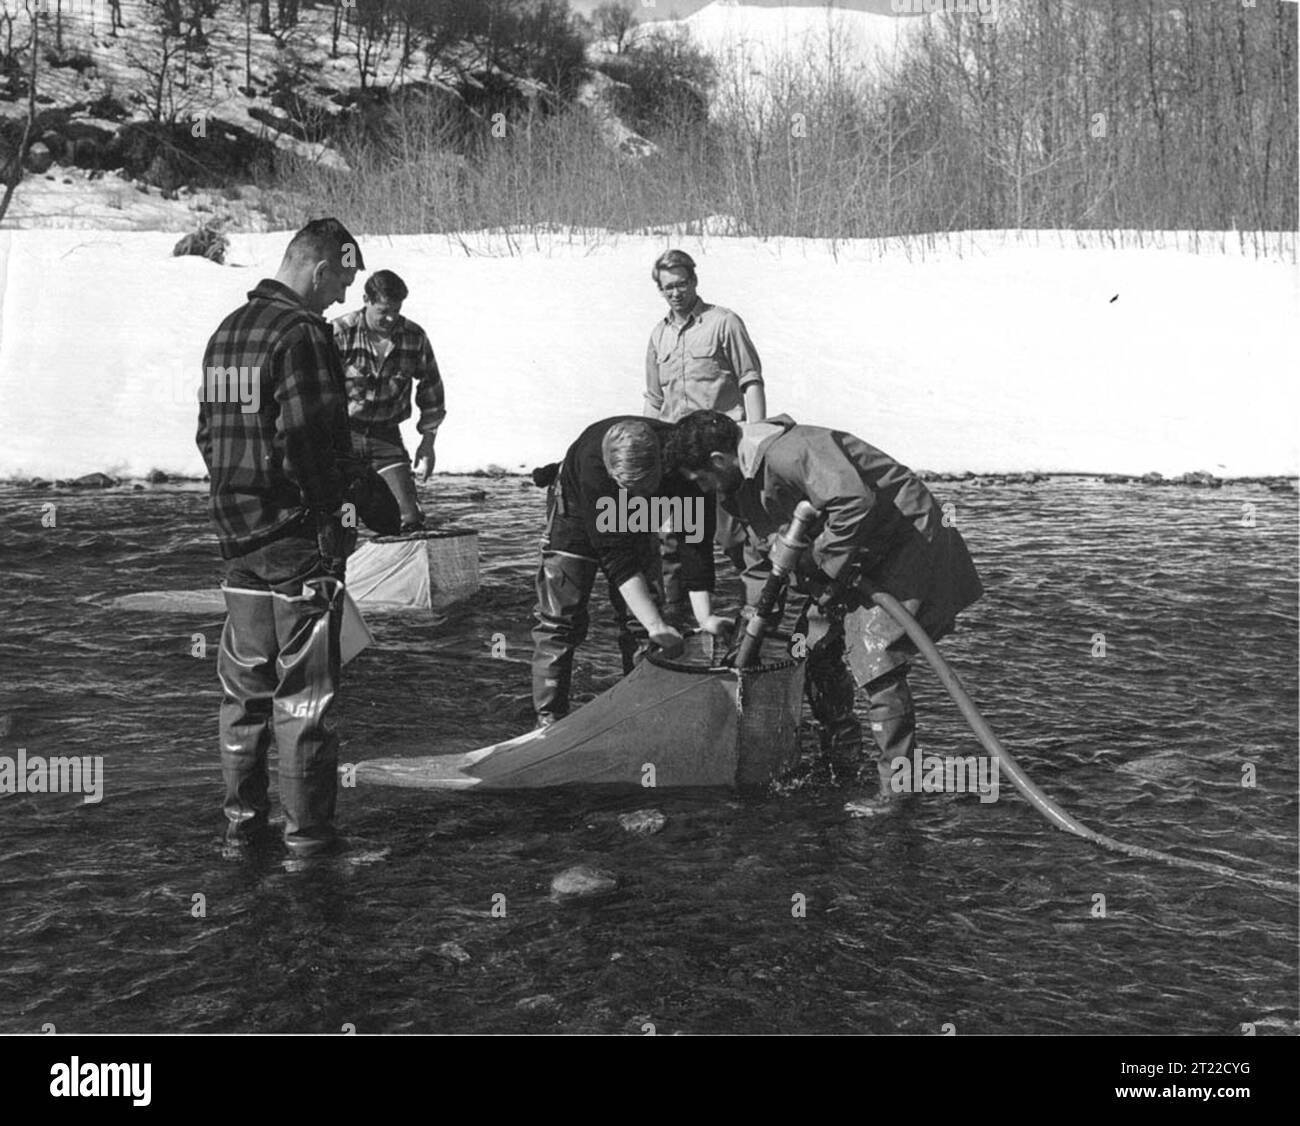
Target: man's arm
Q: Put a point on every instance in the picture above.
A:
(204, 436)
(430, 399)
(430, 402)
(822, 474)
(654, 391)
(695, 542)
(313, 419)
(636, 593)
(747, 367)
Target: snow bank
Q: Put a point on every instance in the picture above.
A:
(990, 352)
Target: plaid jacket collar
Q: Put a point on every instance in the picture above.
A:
(268, 289)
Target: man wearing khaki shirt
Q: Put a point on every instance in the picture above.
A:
(700, 357)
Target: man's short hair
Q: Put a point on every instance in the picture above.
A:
(630, 450)
(698, 435)
(673, 260)
(384, 287)
(325, 240)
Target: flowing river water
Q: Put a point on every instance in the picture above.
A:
(749, 912)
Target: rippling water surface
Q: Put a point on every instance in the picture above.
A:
(978, 915)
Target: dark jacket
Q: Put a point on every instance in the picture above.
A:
(282, 465)
(583, 485)
(878, 516)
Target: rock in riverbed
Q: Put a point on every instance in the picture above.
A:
(453, 952)
(583, 882)
(92, 481)
(643, 822)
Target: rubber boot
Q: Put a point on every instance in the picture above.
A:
(307, 669)
(830, 691)
(893, 726)
(246, 668)
(401, 483)
(564, 585)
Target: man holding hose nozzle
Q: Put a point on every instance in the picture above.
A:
(598, 518)
(880, 528)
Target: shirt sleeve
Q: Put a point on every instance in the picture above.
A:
(313, 419)
(698, 570)
(354, 379)
(741, 353)
(204, 436)
(654, 392)
(823, 474)
(429, 398)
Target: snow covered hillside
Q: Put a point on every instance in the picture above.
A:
(760, 49)
(998, 353)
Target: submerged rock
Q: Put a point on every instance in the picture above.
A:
(643, 822)
(540, 1003)
(453, 952)
(583, 882)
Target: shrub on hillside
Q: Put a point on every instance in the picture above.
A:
(664, 83)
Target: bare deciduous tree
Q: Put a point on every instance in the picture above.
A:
(13, 171)
(614, 20)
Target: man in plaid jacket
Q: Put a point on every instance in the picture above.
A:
(383, 354)
(273, 432)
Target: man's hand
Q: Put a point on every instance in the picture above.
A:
(424, 453)
(668, 639)
(834, 599)
(335, 544)
(720, 627)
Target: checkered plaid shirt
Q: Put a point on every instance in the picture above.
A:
(280, 453)
(380, 394)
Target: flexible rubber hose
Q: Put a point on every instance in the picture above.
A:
(1039, 800)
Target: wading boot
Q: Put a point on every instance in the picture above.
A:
(313, 842)
(402, 484)
(551, 691)
(893, 726)
(829, 687)
(249, 837)
(843, 754)
(563, 587)
(246, 667)
(308, 669)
